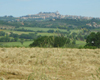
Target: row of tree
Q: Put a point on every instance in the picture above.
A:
(76, 36)
(12, 37)
(51, 41)
(69, 23)
(92, 41)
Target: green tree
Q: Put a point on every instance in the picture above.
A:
(2, 33)
(93, 39)
(50, 41)
(74, 42)
(22, 41)
(44, 41)
(59, 41)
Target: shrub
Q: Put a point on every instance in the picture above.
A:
(49, 41)
(90, 47)
(43, 41)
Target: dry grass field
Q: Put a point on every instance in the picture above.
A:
(49, 64)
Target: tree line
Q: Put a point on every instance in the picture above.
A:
(51, 41)
(12, 37)
(66, 23)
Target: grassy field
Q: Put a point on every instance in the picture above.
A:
(17, 44)
(80, 43)
(49, 64)
(43, 29)
(26, 43)
(21, 32)
(17, 32)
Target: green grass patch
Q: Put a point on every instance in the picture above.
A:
(80, 43)
(16, 44)
(17, 32)
(43, 29)
(47, 34)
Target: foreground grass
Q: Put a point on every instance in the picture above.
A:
(49, 63)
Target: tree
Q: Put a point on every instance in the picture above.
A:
(50, 41)
(93, 39)
(44, 41)
(2, 33)
(50, 31)
(22, 41)
(74, 42)
(59, 41)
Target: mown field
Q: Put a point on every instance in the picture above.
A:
(49, 64)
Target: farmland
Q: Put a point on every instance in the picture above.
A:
(49, 64)
(36, 30)
(75, 30)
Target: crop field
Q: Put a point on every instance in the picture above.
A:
(49, 64)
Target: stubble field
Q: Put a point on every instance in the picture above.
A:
(49, 64)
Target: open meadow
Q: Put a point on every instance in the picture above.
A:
(49, 64)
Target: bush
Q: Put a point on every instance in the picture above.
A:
(90, 47)
(49, 41)
(43, 41)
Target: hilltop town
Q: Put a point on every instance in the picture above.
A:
(44, 16)
(52, 15)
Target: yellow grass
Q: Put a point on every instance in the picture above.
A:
(48, 63)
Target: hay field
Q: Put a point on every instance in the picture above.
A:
(49, 64)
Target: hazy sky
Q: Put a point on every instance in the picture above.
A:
(16, 8)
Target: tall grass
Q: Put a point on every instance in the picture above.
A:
(49, 64)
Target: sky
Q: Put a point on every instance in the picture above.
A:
(17, 8)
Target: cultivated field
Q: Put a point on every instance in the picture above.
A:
(49, 64)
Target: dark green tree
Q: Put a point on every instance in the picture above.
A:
(93, 39)
(2, 33)
(50, 41)
(22, 41)
(44, 41)
(74, 41)
(59, 41)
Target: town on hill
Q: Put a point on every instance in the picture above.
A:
(52, 15)
(44, 16)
